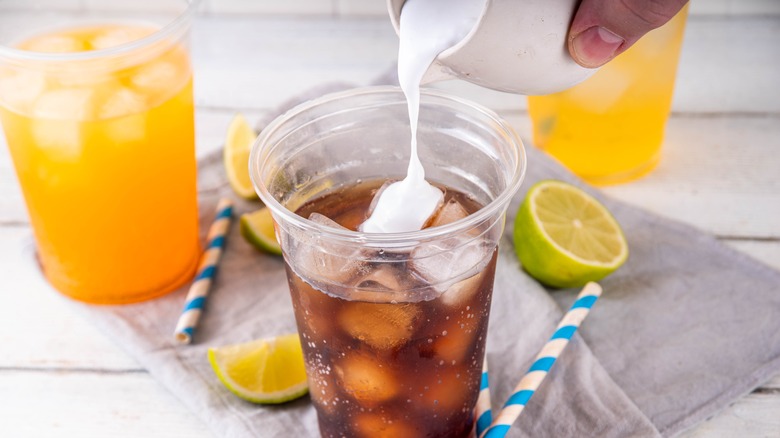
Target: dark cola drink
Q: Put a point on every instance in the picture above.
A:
(393, 339)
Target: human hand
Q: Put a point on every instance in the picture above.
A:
(603, 29)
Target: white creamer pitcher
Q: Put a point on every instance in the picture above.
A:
(518, 46)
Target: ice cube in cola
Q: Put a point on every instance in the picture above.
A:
(382, 326)
(320, 262)
(448, 262)
(392, 347)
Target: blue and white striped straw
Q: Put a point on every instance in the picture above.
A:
(483, 413)
(196, 297)
(543, 362)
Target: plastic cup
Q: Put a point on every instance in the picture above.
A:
(393, 326)
(610, 128)
(97, 110)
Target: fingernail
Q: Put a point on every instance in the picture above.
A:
(595, 46)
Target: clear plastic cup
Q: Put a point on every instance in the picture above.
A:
(610, 128)
(97, 109)
(393, 326)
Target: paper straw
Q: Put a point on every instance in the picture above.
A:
(544, 361)
(483, 414)
(196, 297)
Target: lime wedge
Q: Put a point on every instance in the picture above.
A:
(566, 238)
(267, 371)
(258, 229)
(238, 144)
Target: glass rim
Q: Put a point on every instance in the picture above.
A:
(182, 19)
(262, 149)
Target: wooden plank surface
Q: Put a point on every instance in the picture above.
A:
(92, 405)
(59, 376)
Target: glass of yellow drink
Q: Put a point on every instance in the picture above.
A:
(609, 129)
(98, 117)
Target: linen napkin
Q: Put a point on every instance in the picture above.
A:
(682, 329)
(250, 300)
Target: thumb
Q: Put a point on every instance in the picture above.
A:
(603, 29)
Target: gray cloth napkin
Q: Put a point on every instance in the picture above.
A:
(690, 324)
(683, 328)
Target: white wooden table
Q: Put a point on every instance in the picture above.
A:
(59, 376)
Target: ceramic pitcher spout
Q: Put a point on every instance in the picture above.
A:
(437, 72)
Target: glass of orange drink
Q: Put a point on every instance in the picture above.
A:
(609, 129)
(97, 111)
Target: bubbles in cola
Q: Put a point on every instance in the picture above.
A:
(315, 308)
(323, 389)
(454, 342)
(447, 391)
(375, 425)
(366, 378)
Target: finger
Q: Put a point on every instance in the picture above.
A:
(602, 29)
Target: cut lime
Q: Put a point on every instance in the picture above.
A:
(267, 371)
(565, 238)
(238, 144)
(258, 229)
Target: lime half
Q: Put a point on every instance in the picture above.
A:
(238, 144)
(258, 229)
(565, 238)
(267, 371)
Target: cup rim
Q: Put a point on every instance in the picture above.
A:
(261, 150)
(12, 54)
